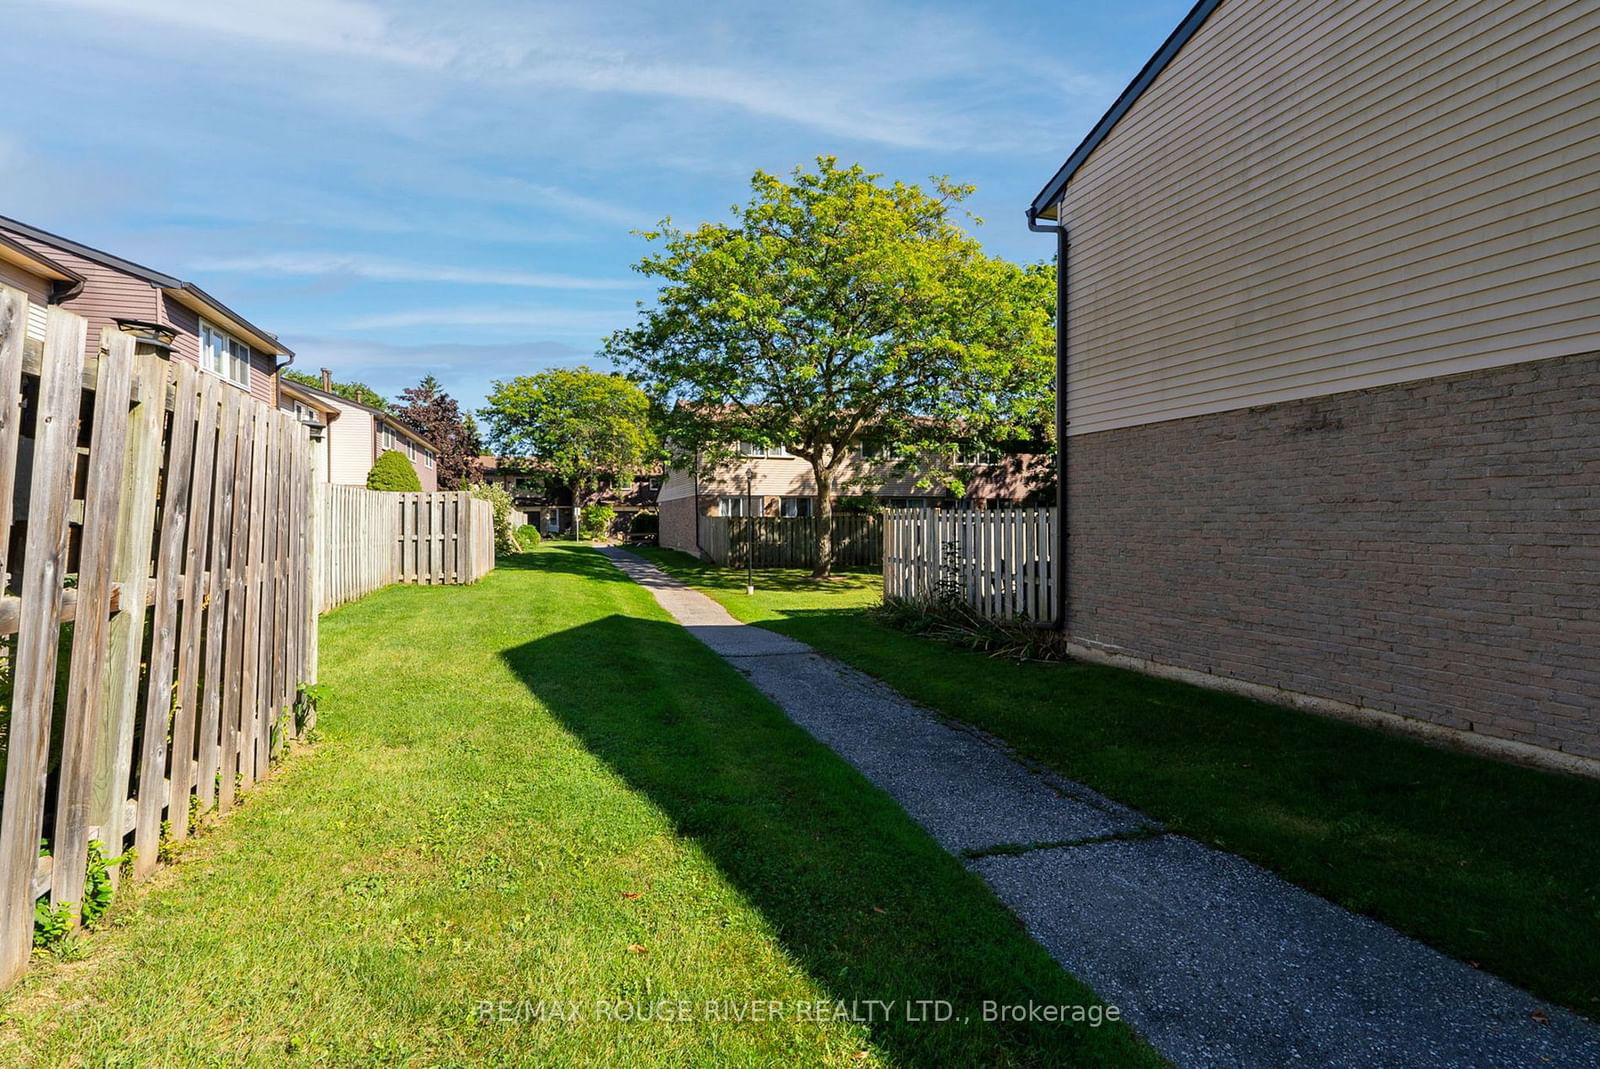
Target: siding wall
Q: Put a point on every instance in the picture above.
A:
(350, 447)
(1320, 197)
(791, 477)
(1430, 549)
(108, 295)
(263, 381)
(38, 291)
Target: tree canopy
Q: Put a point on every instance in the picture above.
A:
(836, 310)
(586, 427)
(436, 416)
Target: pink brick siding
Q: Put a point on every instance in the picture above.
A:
(1430, 549)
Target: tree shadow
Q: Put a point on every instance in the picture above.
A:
(576, 558)
(858, 895)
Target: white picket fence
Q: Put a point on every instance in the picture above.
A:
(1001, 562)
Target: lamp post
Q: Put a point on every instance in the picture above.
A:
(750, 540)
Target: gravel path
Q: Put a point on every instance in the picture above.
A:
(1214, 960)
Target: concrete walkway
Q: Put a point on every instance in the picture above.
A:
(1215, 961)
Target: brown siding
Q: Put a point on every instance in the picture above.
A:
(263, 379)
(1429, 549)
(107, 294)
(1320, 197)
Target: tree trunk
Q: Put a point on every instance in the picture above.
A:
(824, 519)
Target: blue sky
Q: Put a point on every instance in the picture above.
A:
(398, 188)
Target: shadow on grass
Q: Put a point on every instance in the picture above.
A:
(783, 580)
(857, 894)
(566, 558)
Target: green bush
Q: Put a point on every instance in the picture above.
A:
(527, 537)
(393, 471)
(645, 525)
(505, 539)
(597, 521)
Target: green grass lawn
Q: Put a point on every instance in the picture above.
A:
(1491, 863)
(540, 789)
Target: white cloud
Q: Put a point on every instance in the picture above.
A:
(573, 320)
(854, 74)
(383, 270)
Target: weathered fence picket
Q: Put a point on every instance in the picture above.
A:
(153, 567)
(1000, 562)
(373, 538)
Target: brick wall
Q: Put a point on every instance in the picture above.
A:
(1430, 549)
(678, 524)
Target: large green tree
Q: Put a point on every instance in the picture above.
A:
(587, 428)
(436, 416)
(836, 310)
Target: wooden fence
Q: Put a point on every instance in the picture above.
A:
(998, 561)
(790, 542)
(156, 589)
(373, 538)
(445, 537)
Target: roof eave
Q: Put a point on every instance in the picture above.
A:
(199, 301)
(1044, 205)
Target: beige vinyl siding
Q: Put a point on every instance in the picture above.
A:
(37, 290)
(350, 449)
(1315, 198)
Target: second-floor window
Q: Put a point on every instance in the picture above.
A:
(223, 354)
(751, 449)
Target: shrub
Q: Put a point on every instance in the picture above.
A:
(393, 471)
(951, 620)
(645, 525)
(505, 539)
(597, 520)
(527, 537)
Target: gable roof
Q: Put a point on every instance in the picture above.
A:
(1044, 205)
(64, 278)
(401, 426)
(185, 293)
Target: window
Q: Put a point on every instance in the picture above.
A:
(797, 507)
(977, 458)
(876, 452)
(734, 505)
(223, 354)
(427, 458)
(751, 449)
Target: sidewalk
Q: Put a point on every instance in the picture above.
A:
(1215, 961)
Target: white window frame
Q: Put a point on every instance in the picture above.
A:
(735, 506)
(763, 452)
(232, 356)
(791, 508)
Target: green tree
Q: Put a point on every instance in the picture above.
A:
(436, 416)
(359, 392)
(392, 471)
(587, 428)
(836, 310)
